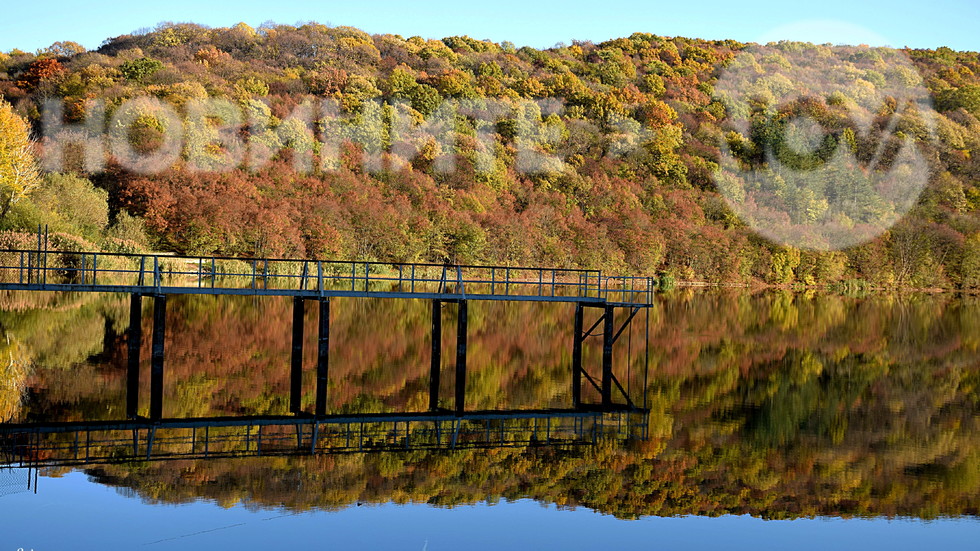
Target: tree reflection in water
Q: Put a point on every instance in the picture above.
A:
(773, 404)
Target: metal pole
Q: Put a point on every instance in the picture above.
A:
(646, 360)
(296, 364)
(436, 360)
(150, 437)
(607, 348)
(45, 253)
(134, 342)
(629, 362)
(157, 277)
(156, 362)
(461, 358)
(577, 357)
(315, 436)
(319, 278)
(323, 357)
(37, 261)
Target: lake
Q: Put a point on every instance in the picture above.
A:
(801, 420)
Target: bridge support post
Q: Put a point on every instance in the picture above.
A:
(156, 361)
(134, 341)
(461, 358)
(436, 359)
(607, 349)
(577, 357)
(296, 359)
(323, 356)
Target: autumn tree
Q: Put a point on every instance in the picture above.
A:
(39, 70)
(65, 48)
(19, 174)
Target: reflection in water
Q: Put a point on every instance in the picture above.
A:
(38, 444)
(773, 404)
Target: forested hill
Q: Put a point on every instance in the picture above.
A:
(635, 135)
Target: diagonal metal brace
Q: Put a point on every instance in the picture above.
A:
(622, 391)
(633, 312)
(588, 333)
(591, 380)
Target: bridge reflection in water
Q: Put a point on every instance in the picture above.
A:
(33, 446)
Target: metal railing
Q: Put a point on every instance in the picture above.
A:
(126, 441)
(156, 273)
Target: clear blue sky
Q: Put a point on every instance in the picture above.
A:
(921, 23)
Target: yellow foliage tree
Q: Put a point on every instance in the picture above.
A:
(14, 369)
(19, 173)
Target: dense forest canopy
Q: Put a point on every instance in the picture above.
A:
(613, 155)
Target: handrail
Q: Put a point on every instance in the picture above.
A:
(278, 259)
(97, 271)
(123, 441)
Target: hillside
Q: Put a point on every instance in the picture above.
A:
(628, 137)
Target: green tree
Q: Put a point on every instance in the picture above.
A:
(73, 204)
(967, 97)
(139, 69)
(970, 267)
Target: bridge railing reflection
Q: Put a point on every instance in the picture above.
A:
(41, 445)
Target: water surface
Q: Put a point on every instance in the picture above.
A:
(805, 419)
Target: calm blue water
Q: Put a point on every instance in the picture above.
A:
(71, 513)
